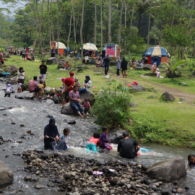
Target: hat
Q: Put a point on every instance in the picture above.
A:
(71, 73)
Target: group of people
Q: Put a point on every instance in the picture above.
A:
(127, 147)
(71, 92)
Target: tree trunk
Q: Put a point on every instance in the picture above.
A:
(95, 23)
(109, 21)
(101, 18)
(120, 23)
(125, 6)
(81, 27)
(149, 23)
(70, 28)
(74, 24)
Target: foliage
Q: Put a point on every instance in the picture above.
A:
(135, 24)
(173, 69)
(111, 108)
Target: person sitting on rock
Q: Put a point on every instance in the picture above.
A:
(62, 144)
(51, 135)
(32, 84)
(104, 141)
(75, 101)
(93, 142)
(154, 68)
(39, 90)
(191, 160)
(67, 65)
(87, 106)
(127, 147)
(8, 90)
(88, 82)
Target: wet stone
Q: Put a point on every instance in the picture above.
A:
(39, 186)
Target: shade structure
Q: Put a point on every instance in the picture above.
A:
(157, 51)
(90, 47)
(60, 45)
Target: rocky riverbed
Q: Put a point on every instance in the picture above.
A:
(22, 123)
(74, 175)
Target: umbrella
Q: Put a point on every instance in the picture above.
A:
(90, 47)
(156, 51)
(60, 45)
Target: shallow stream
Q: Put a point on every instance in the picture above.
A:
(19, 116)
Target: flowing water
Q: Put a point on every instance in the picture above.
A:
(19, 116)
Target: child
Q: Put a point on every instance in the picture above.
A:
(93, 142)
(8, 90)
(104, 142)
(86, 106)
(191, 160)
(19, 89)
(62, 144)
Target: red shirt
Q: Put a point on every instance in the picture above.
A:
(69, 82)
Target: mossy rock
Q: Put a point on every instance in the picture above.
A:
(167, 97)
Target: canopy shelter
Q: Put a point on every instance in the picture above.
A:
(112, 50)
(90, 47)
(157, 55)
(57, 46)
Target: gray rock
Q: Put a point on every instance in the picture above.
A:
(39, 186)
(66, 109)
(24, 95)
(52, 60)
(6, 175)
(89, 96)
(137, 88)
(167, 97)
(49, 102)
(169, 170)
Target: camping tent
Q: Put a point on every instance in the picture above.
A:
(112, 50)
(157, 55)
(90, 47)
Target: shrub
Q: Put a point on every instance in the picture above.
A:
(111, 108)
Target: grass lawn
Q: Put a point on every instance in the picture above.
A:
(157, 122)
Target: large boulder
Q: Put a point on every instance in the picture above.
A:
(6, 175)
(168, 170)
(87, 95)
(66, 109)
(167, 97)
(24, 95)
(52, 60)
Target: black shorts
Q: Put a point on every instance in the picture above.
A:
(21, 81)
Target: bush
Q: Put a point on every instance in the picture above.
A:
(111, 108)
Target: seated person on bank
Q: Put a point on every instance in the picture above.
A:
(128, 147)
(75, 101)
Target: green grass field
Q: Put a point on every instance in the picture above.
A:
(159, 122)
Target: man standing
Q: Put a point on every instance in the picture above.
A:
(106, 64)
(43, 70)
(128, 147)
(68, 84)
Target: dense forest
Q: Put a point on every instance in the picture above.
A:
(133, 24)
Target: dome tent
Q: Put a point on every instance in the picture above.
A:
(157, 55)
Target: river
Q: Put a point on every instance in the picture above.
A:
(19, 116)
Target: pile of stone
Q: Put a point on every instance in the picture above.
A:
(73, 175)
